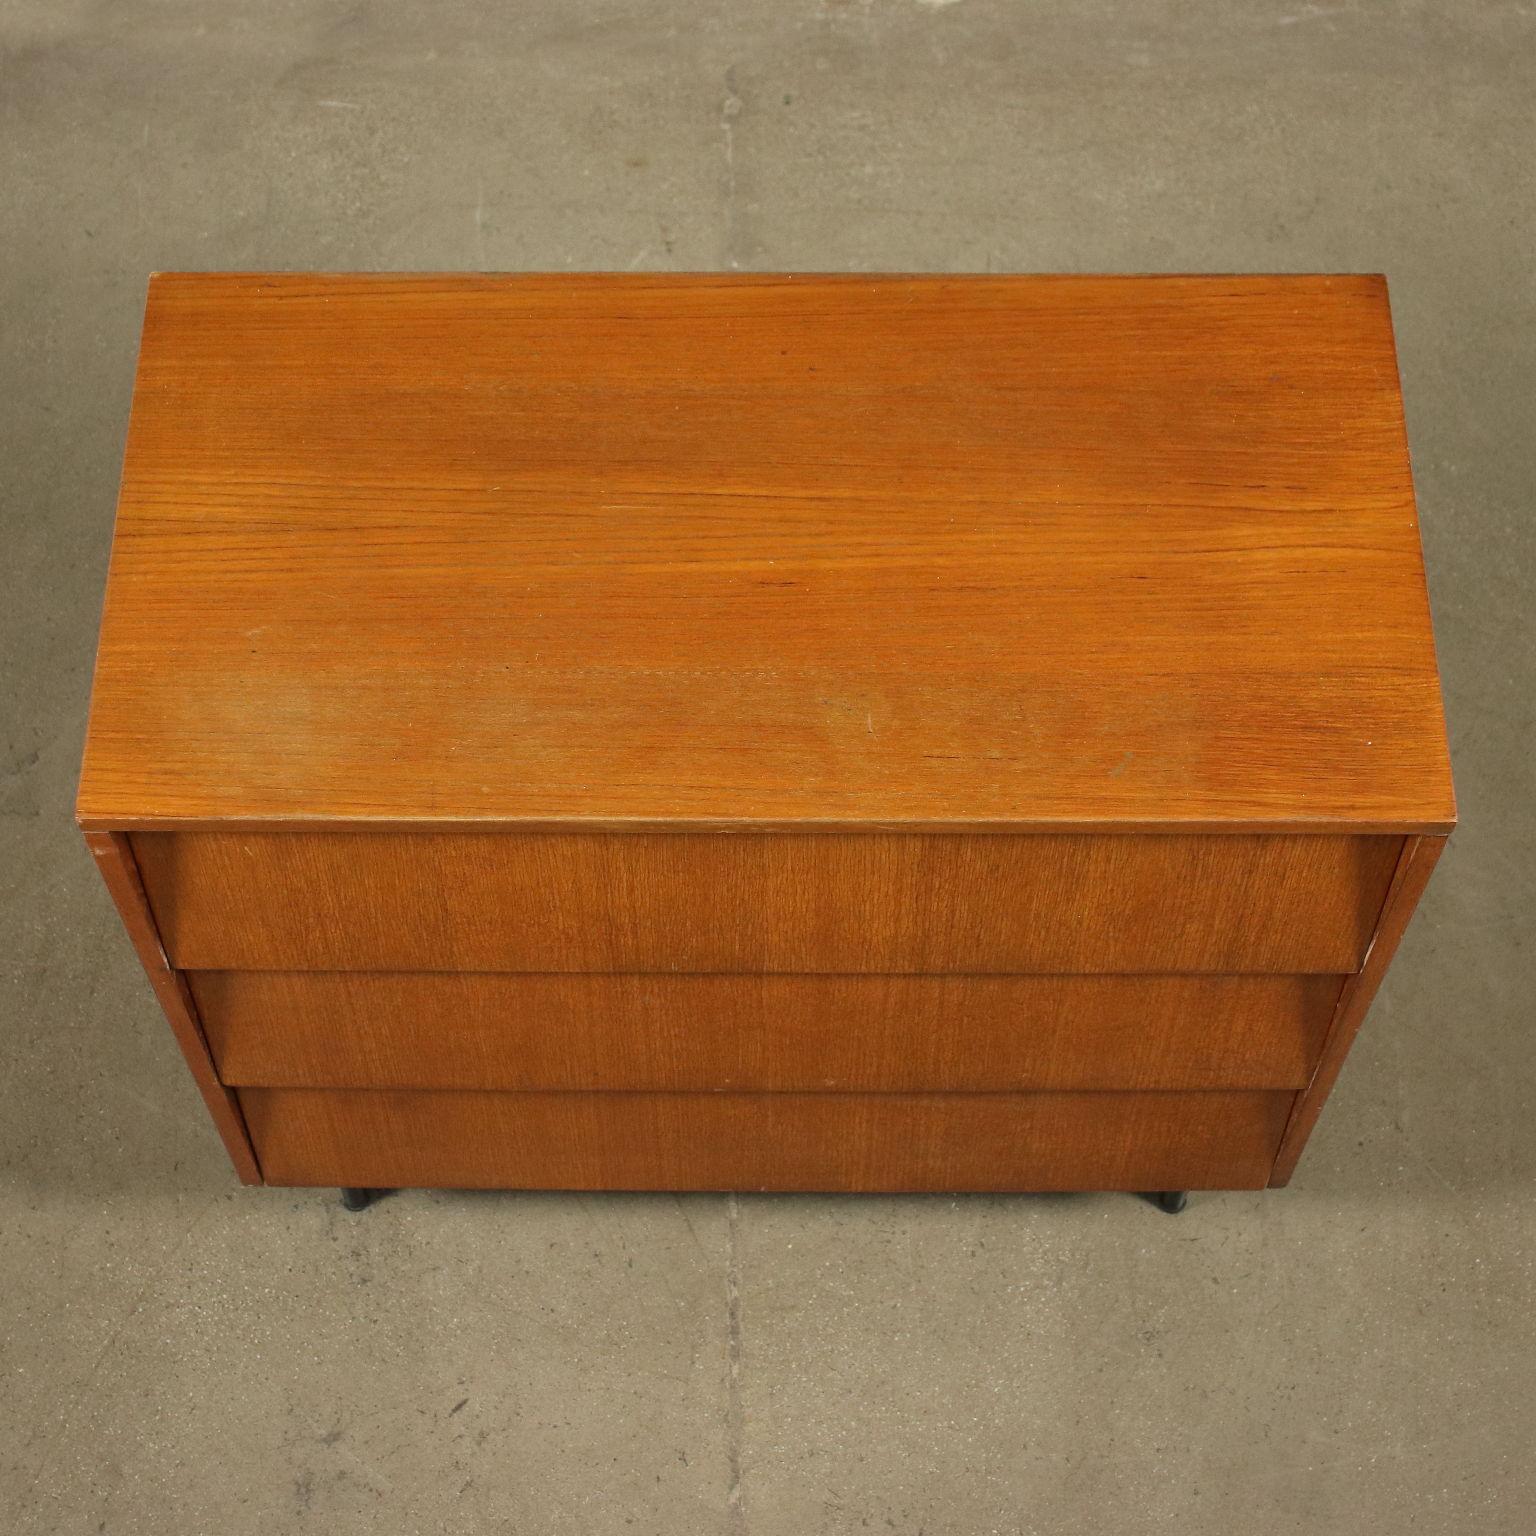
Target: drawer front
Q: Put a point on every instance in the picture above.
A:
(767, 1033)
(846, 903)
(788, 1141)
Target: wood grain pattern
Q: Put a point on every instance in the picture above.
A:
(115, 861)
(780, 1141)
(320, 1029)
(908, 648)
(672, 551)
(887, 903)
(1412, 875)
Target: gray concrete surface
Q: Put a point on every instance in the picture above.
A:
(1355, 1354)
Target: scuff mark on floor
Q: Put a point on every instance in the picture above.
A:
(735, 1503)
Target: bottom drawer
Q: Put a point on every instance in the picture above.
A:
(749, 1141)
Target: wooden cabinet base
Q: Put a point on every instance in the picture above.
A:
(782, 1141)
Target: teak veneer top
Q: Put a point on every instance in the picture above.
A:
(1037, 553)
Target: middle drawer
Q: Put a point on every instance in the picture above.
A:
(765, 1033)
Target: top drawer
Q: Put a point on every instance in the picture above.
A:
(860, 902)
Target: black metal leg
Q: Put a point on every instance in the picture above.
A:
(1170, 1200)
(356, 1199)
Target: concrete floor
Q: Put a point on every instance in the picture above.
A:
(1354, 1354)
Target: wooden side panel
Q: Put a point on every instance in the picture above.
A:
(870, 903)
(1412, 875)
(848, 1142)
(765, 1033)
(114, 859)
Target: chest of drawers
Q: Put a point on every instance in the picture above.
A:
(766, 732)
